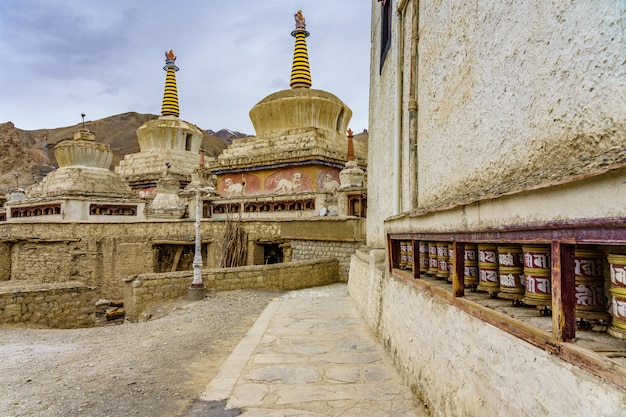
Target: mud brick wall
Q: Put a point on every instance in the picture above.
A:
(142, 290)
(306, 250)
(102, 255)
(5, 261)
(58, 305)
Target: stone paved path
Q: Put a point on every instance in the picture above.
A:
(310, 355)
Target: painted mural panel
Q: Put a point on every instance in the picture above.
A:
(279, 181)
(288, 181)
(239, 184)
(328, 180)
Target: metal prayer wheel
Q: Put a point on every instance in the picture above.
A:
(618, 294)
(423, 256)
(510, 256)
(450, 261)
(403, 262)
(442, 260)
(470, 266)
(537, 275)
(512, 283)
(536, 256)
(589, 278)
(511, 272)
(488, 279)
(433, 263)
(409, 254)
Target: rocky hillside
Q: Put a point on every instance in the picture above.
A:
(227, 135)
(31, 152)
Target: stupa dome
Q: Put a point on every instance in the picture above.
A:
(300, 108)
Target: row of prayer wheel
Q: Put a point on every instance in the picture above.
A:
(523, 273)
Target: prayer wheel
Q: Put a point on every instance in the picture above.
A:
(512, 283)
(589, 278)
(488, 279)
(442, 260)
(433, 263)
(511, 272)
(510, 256)
(403, 262)
(423, 256)
(450, 261)
(470, 266)
(409, 254)
(618, 294)
(537, 275)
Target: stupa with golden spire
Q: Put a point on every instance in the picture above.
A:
(299, 148)
(165, 140)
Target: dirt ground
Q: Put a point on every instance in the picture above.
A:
(153, 368)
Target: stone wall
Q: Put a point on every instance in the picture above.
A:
(5, 261)
(102, 255)
(305, 250)
(62, 305)
(461, 366)
(142, 290)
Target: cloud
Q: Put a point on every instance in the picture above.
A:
(64, 57)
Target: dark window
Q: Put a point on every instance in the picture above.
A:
(385, 30)
(272, 253)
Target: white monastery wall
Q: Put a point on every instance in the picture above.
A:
(510, 96)
(462, 366)
(509, 90)
(380, 171)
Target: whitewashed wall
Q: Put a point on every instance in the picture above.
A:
(462, 366)
(510, 88)
(510, 95)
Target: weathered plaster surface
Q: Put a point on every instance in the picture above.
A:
(462, 366)
(510, 96)
(517, 93)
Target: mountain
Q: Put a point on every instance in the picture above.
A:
(31, 152)
(227, 135)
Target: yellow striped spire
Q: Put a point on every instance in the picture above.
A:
(170, 96)
(300, 71)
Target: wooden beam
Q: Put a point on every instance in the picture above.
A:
(458, 272)
(568, 292)
(525, 331)
(179, 252)
(595, 363)
(589, 231)
(563, 293)
(178, 242)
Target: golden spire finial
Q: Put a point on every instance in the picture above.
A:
(300, 71)
(170, 96)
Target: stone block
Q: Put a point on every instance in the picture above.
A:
(12, 309)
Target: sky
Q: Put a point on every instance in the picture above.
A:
(61, 58)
